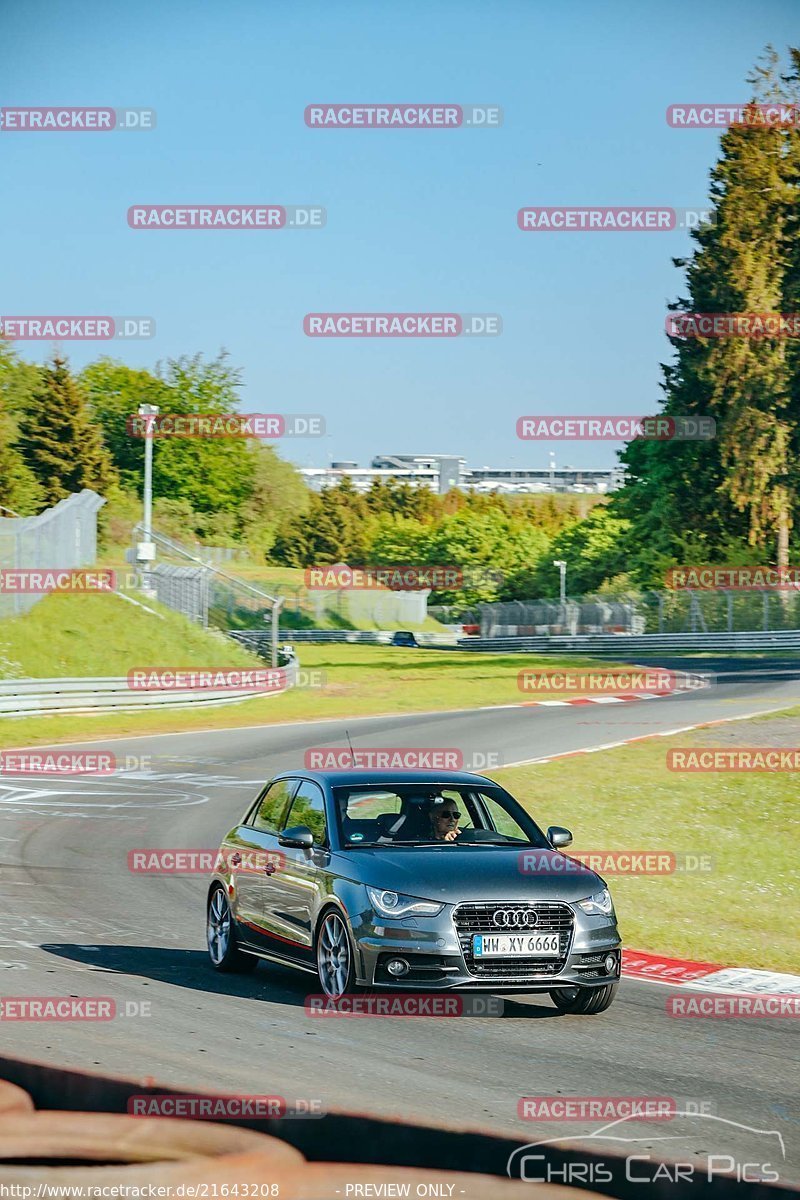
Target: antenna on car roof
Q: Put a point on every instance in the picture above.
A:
(350, 744)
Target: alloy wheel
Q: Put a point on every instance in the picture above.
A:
(333, 956)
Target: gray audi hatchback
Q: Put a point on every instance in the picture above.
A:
(415, 880)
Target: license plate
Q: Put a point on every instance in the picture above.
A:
(515, 945)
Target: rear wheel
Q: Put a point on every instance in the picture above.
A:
(582, 1000)
(335, 958)
(225, 955)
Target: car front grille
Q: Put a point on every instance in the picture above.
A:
(478, 917)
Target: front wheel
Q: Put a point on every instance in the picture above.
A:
(582, 1000)
(335, 959)
(225, 955)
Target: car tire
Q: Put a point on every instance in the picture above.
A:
(584, 1001)
(223, 951)
(335, 957)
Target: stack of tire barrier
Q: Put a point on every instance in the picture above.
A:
(47, 1150)
(13, 1099)
(69, 1152)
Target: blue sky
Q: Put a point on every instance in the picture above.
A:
(416, 221)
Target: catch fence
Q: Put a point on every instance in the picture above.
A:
(60, 538)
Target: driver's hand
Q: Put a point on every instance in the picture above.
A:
(452, 834)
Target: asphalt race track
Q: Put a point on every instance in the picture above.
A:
(77, 922)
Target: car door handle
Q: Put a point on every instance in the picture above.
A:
(270, 869)
(236, 860)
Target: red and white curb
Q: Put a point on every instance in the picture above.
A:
(695, 683)
(707, 977)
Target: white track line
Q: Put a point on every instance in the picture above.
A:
(643, 737)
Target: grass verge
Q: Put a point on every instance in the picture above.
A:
(745, 910)
(103, 635)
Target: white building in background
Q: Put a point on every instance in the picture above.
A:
(441, 472)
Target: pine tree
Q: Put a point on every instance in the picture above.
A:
(60, 444)
(791, 290)
(19, 491)
(703, 498)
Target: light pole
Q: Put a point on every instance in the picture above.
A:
(146, 550)
(562, 567)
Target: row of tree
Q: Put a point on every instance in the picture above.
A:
(61, 432)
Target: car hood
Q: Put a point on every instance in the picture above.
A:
(452, 874)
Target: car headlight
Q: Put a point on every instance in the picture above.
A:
(600, 904)
(395, 904)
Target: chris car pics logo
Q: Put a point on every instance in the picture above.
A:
(625, 1152)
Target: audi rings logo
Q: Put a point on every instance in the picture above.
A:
(515, 918)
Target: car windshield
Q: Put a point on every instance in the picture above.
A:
(410, 815)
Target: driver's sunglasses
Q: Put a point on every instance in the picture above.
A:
(450, 815)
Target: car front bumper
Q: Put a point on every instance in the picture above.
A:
(438, 957)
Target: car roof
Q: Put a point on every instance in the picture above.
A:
(345, 778)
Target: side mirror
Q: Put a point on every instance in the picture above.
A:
(557, 836)
(299, 837)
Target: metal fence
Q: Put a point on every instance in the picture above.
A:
(61, 537)
(202, 592)
(719, 611)
(183, 589)
(625, 647)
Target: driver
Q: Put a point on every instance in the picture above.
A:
(444, 818)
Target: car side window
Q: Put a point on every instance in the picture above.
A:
(502, 819)
(308, 808)
(272, 805)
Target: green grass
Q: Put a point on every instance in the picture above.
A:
(103, 635)
(745, 911)
(106, 635)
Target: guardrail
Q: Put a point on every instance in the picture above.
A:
(25, 697)
(255, 639)
(638, 644)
